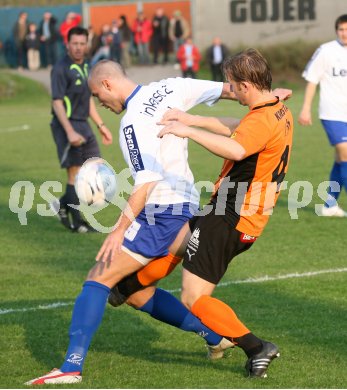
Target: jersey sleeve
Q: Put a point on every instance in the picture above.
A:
(58, 83)
(252, 135)
(200, 91)
(141, 149)
(315, 68)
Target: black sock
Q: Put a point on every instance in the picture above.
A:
(70, 197)
(250, 343)
(63, 200)
(129, 285)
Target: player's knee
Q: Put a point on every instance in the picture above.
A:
(101, 273)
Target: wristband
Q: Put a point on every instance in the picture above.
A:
(99, 126)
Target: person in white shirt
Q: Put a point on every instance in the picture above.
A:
(328, 68)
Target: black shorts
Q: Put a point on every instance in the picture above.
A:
(212, 246)
(74, 155)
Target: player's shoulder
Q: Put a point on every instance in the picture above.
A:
(61, 65)
(328, 47)
(164, 83)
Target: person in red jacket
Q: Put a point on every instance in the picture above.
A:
(72, 20)
(142, 29)
(189, 58)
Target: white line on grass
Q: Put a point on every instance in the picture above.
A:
(223, 284)
(40, 307)
(267, 278)
(16, 128)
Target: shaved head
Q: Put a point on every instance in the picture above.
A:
(106, 69)
(109, 84)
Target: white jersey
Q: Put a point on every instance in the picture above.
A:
(328, 67)
(164, 160)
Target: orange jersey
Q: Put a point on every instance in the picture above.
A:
(247, 190)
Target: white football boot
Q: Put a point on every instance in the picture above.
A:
(334, 211)
(56, 377)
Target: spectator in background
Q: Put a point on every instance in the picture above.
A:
(215, 56)
(115, 53)
(104, 51)
(189, 57)
(48, 35)
(142, 29)
(2, 57)
(72, 20)
(125, 35)
(178, 31)
(160, 37)
(93, 42)
(20, 30)
(32, 46)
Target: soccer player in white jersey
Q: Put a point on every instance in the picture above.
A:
(328, 68)
(163, 199)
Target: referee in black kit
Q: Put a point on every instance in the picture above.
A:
(72, 104)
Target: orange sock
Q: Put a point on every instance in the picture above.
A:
(219, 317)
(157, 269)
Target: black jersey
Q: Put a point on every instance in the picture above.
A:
(69, 82)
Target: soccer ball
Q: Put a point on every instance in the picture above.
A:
(96, 183)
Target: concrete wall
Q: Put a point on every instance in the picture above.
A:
(264, 22)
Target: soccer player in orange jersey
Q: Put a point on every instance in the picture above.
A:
(256, 161)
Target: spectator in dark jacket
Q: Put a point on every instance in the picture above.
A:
(20, 30)
(179, 31)
(94, 42)
(115, 53)
(48, 36)
(215, 55)
(160, 37)
(125, 34)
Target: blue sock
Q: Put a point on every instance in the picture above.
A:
(343, 172)
(335, 175)
(166, 308)
(86, 317)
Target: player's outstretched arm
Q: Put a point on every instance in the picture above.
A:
(217, 144)
(136, 202)
(227, 92)
(305, 117)
(222, 126)
(104, 131)
(74, 138)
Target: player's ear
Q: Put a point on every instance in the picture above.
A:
(244, 86)
(106, 84)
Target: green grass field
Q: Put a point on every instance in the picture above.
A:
(43, 267)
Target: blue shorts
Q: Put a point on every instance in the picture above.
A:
(336, 131)
(156, 227)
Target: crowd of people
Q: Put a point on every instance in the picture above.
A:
(145, 41)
